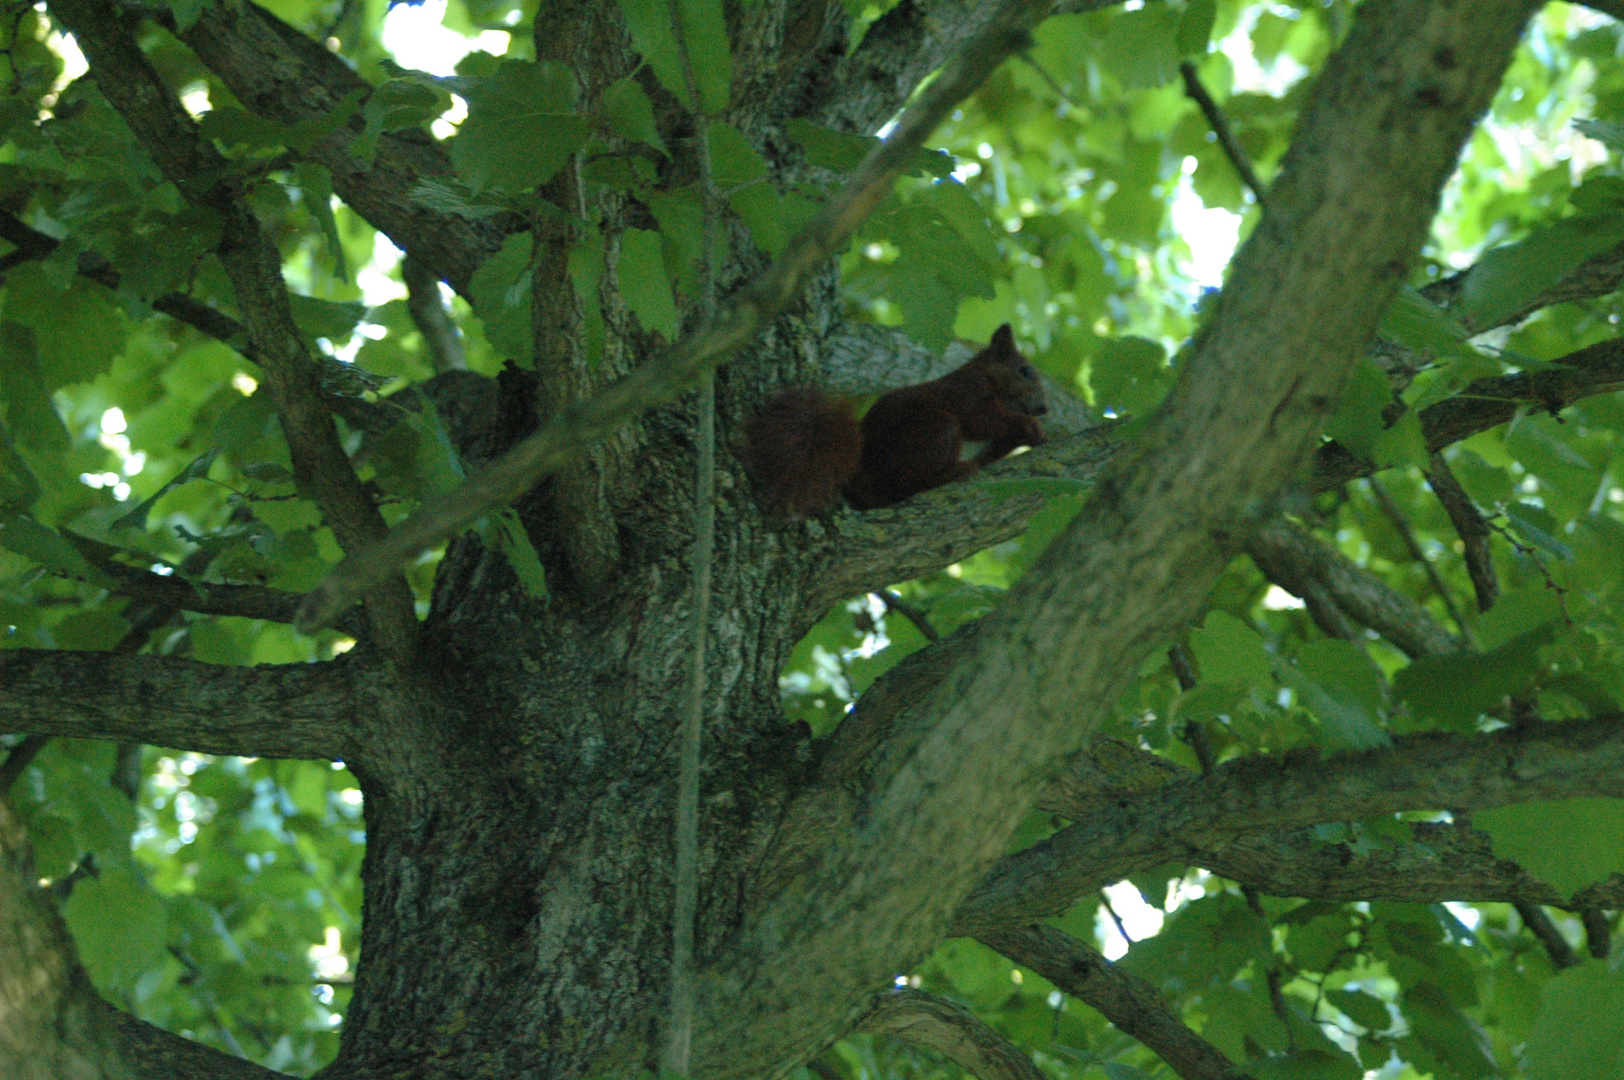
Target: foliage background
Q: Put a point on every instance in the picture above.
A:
(1085, 201)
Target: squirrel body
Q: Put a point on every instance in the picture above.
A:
(807, 449)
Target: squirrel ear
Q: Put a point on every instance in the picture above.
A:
(1003, 337)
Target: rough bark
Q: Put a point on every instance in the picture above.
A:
(518, 777)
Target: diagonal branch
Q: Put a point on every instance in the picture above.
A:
(667, 375)
(1488, 403)
(952, 1030)
(1133, 1005)
(1112, 838)
(286, 711)
(1294, 560)
(938, 802)
(163, 127)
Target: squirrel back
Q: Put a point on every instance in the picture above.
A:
(807, 449)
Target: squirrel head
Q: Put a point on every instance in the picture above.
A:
(1018, 385)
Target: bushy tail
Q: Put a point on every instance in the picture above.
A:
(804, 447)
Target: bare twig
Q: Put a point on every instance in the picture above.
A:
(685, 874)
(1129, 1002)
(1472, 530)
(668, 375)
(952, 1030)
(441, 340)
(1220, 127)
(1540, 925)
(1407, 534)
(19, 759)
(894, 602)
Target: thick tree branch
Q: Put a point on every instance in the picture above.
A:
(1129, 1002)
(940, 798)
(288, 711)
(666, 376)
(1255, 795)
(163, 127)
(1298, 563)
(953, 1031)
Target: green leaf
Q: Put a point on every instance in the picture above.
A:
(628, 111)
(29, 411)
(733, 160)
(1195, 27)
(1508, 279)
(705, 33)
(1128, 375)
(187, 12)
(682, 226)
(1337, 681)
(837, 151)
(1535, 525)
(586, 267)
(197, 470)
(1566, 843)
(1228, 650)
(1142, 47)
(119, 926)
(46, 546)
(1443, 1029)
(19, 487)
(644, 284)
(77, 330)
(521, 128)
(1418, 324)
(1457, 689)
(329, 319)
(317, 185)
(500, 295)
(1358, 423)
(1580, 1029)
(514, 543)
(397, 104)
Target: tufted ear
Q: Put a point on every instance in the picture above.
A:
(1003, 338)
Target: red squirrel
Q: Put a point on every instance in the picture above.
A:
(807, 449)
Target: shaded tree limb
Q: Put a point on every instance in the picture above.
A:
(1487, 403)
(1447, 862)
(1257, 794)
(1470, 527)
(163, 127)
(1220, 127)
(664, 377)
(1540, 925)
(940, 796)
(286, 711)
(1293, 559)
(1598, 932)
(1133, 1005)
(951, 1030)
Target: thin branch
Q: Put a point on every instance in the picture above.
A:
(164, 128)
(1540, 925)
(953, 1031)
(1488, 403)
(1220, 127)
(1133, 1005)
(894, 602)
(1401, 524)
(680, 367)
(290, 711)
(441, 340)
(21, 756)
(1470, 527)
(685, 874)
(1112, 838)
